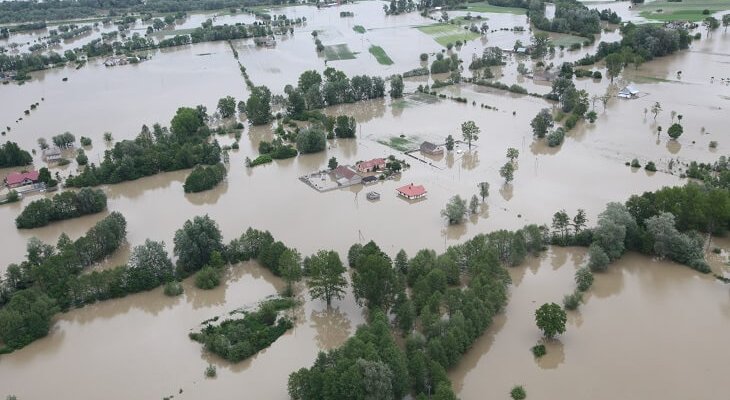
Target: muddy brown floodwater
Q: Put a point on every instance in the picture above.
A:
(649, 329)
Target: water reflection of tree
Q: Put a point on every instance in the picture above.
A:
(208, 196)
(199, 298)
(450, 159)
(673, 146)
(558, 257)
(480, 348)
(506, 191)
(332, 326)
(470, 160)
(134, 189)
(453, 232)
(539, 146)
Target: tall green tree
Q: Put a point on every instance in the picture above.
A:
(507, 172)
(449, 143)
(541, 123)
(470, 132)
(326, 276)
(483, 190)
(227, 106)
(290, 268)
(455, 210)
(258, 105)
(374, 282)
(614, 65)
(396, 86)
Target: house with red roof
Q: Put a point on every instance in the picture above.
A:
(411, 192)
(346, 176)
(373, 165)
(17, 179)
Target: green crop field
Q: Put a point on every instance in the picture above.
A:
(685, 10)
(338, 52)
(380, 55)
(488, 8)
(359, 29)
(444, 34)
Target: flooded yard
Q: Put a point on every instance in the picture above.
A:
(648, 329)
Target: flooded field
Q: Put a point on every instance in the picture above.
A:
(647, 329)
(602, 352)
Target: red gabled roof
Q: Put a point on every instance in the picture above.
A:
(412, 190)
(344, 171)
(371, 163)
(15, 178)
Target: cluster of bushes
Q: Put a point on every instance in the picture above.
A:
(184, 145)
(51, 280)
(371, 362)
(586, 73)
(514, 88)
(416, 72)
(11, 155)
(444, 64)
(204, 178)
(62, 206)
(715, 174)
(311, 140)
(491, 56)
(277, 149)
(237, 339)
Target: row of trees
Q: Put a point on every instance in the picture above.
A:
(66, 205)
(50, 279)
(185, 144)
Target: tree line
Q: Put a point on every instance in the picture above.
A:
(66, 205)
(50, 280)
(185, 144)
(22, 11)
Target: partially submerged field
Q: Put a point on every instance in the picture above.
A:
(444, 34)
(686, 10)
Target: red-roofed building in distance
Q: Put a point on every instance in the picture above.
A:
(17, 179)
(412, 192)
(373, 165)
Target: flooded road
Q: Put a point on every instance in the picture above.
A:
(601, 354)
